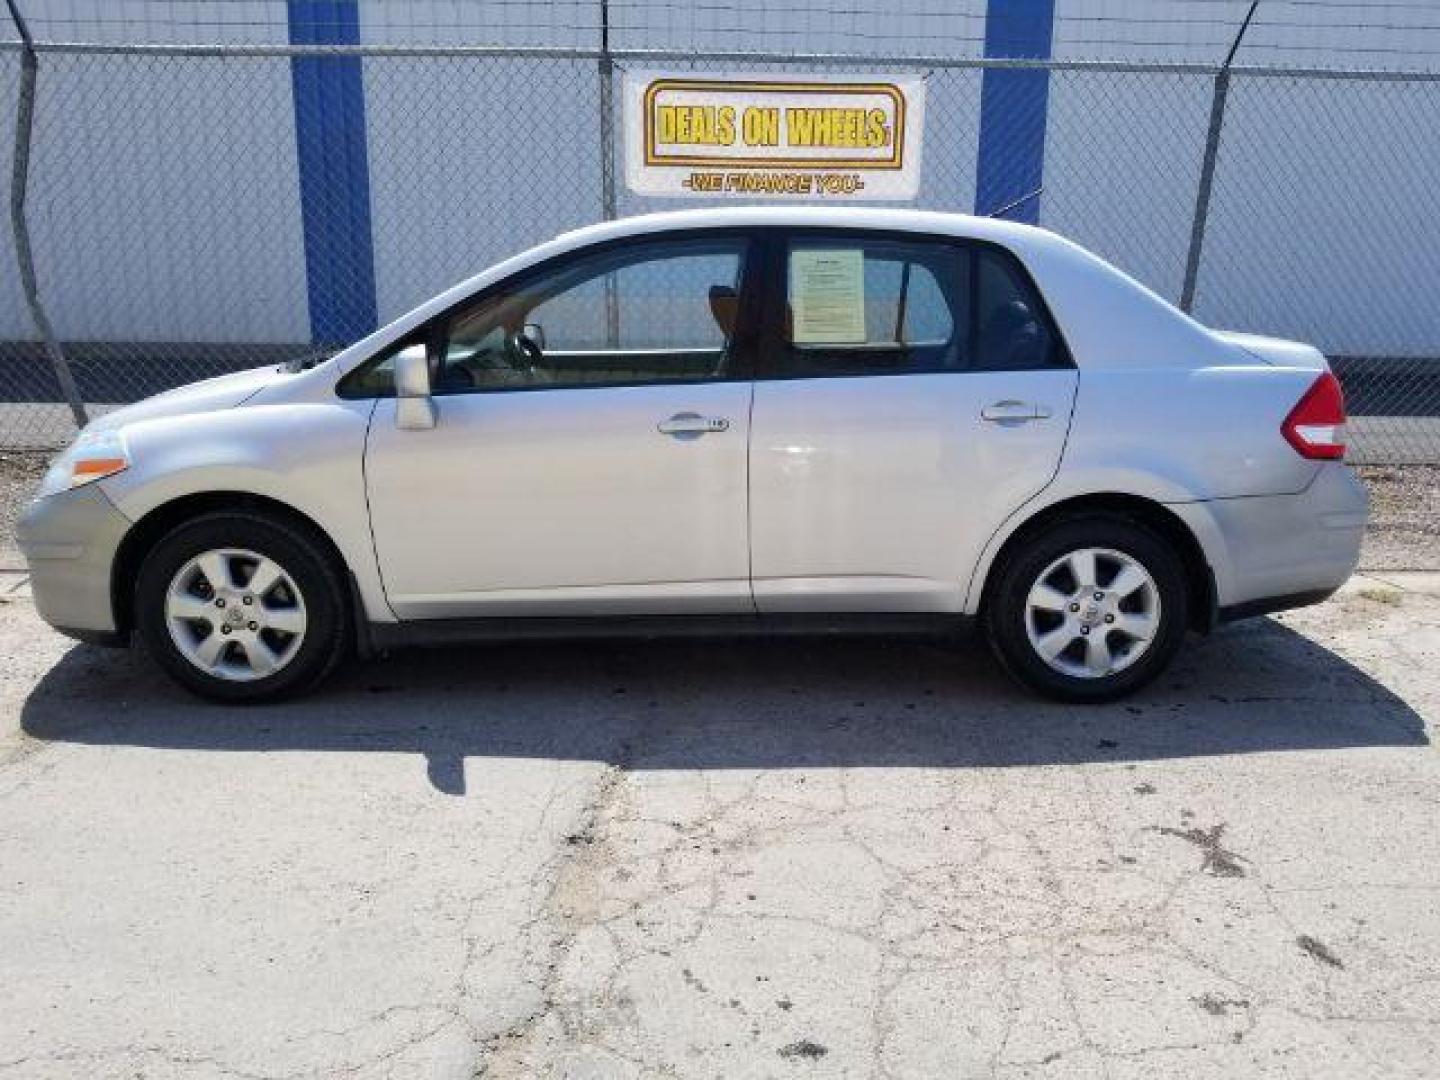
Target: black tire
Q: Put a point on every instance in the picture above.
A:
(1006, 606)
(303, 557)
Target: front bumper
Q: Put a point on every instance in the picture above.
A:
(69, 541)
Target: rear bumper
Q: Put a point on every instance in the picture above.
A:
(1267, 605)
(69, 541)
(1273, 552)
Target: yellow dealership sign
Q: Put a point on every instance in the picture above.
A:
(816, 137)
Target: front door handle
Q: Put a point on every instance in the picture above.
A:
(689, 423)
(1017, 412)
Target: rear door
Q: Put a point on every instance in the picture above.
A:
(913, 392)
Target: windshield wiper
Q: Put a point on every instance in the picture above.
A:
(304, 363)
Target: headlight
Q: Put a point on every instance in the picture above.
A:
(93, 456)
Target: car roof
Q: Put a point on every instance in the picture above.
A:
(830, 217)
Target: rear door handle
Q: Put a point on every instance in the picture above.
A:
(1014, 411)
(689, 423)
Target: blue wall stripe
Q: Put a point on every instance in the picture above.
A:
(334, 172)
(1013, 107)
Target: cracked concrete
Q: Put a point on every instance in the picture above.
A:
(691, 859)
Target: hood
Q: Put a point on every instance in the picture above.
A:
(208, 395)
(1276, 351)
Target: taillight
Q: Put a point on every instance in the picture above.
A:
(1316, 425)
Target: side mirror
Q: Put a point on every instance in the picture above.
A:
(414, 409)
(536, 333)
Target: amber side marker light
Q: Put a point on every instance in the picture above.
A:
(97, 468)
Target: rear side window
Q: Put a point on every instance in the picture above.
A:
(882, 306)
(875, 307)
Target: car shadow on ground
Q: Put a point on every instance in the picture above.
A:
(783, 703)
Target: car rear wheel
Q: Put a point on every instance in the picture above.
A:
(1089, 609)
(241, 607)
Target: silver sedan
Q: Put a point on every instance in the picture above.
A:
(722, 422)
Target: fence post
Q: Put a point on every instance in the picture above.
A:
(1207, 167)
(607, 116)
(607, 165)
(19, 181)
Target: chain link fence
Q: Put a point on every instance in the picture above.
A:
(176, 232)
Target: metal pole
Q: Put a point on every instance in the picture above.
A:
(19, 181)
(607, 165)
(853, 61)
(1207, 168)
(607, 116)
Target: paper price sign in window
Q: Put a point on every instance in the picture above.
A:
(827, 297)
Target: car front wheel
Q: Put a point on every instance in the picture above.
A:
(1089, 609)
(241, 607)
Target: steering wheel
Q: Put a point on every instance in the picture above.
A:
(524, 355)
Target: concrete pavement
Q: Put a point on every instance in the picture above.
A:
(699, 859)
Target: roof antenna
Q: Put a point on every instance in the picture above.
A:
(1021, 201)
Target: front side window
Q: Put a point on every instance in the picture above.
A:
(861, 305)
(659, 312)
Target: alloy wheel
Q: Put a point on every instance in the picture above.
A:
(1092, 612)
(235, 614)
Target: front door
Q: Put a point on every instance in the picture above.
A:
(913, 394)
(590, 452)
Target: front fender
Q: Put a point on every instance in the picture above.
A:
(306, 455)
